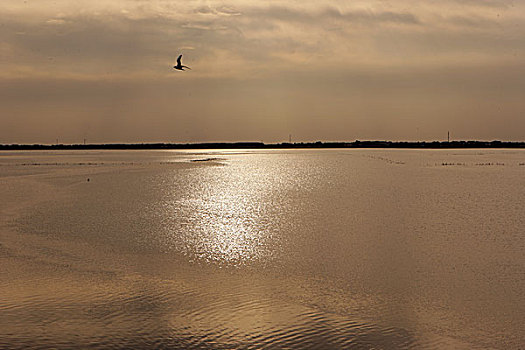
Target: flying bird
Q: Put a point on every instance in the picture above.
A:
(179, 65)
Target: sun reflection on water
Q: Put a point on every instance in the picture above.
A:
(227, 217)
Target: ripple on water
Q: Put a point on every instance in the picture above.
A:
(136, 312)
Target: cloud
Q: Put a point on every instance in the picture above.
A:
(219, 11)
(237, 38)
(56, 21)
(257, 67)
(227, 10)
(472, 22)
(487, 3)
(330, 13)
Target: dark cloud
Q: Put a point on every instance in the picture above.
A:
(472, 22)
(330, 14)
(205, 10)
(487, 3)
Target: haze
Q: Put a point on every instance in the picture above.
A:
(319, 70)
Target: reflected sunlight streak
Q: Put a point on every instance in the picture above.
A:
(223, 220)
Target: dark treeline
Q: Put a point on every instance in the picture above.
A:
(261, 145)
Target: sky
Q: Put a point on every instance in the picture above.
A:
(261, 70)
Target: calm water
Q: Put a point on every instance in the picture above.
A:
(327, 249)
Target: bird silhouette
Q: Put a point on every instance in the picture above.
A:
(179, 65)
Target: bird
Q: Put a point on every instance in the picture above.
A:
(179, 65)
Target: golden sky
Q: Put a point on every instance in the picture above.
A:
(261, 70)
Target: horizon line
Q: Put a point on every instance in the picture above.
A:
(281, 145)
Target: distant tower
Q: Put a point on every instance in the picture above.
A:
(448, 136)
(290, 138)
(84, 142)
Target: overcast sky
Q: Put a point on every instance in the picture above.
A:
(261, 70)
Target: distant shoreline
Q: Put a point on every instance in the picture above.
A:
(261, 145)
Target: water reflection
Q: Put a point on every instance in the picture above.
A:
(227, 216)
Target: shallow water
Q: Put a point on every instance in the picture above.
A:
(257, 249)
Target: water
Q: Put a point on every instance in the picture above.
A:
(327, 249)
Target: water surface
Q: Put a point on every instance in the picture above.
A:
(279, 249)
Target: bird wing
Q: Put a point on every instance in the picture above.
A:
(178, 60)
